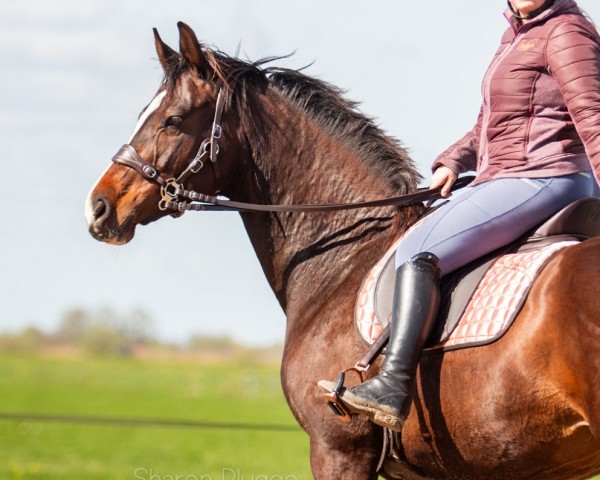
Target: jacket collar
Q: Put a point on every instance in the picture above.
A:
(559, 7)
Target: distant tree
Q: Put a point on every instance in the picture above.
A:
(102, 330)
(73, 325)
(32, 338)
(102, 340)
(213, 344)
(137, 326)
(27, 340)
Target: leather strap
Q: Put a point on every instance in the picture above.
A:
(374, 350)
(219, 204)
(196, 164)
(217, 130)
(172, 191)
(129, 157)
(215, 134)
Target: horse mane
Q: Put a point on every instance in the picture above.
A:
(321, 101)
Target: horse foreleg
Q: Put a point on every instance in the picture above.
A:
(337, 450)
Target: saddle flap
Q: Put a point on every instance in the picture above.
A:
(457, 289)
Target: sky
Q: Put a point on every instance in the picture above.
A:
(75, 75)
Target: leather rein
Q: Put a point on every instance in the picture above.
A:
(175, 197)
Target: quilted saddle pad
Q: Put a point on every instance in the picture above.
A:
(489, 311)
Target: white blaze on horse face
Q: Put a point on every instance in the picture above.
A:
(154, 105)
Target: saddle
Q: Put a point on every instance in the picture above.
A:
(481, 300)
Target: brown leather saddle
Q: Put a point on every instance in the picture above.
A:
(578, 221)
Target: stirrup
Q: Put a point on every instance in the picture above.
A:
(334, 402)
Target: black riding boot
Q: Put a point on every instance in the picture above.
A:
(386, 398)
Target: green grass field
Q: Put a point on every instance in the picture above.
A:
(125, 388)
(236, 393)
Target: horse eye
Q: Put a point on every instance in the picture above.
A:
(173, 121)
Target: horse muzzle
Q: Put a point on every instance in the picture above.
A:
(101, 220)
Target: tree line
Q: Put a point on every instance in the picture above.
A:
(104, 332)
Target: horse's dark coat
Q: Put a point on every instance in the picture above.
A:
(525, 407)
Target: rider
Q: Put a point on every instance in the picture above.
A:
(535, 148)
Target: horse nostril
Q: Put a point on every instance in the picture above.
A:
(101, 209)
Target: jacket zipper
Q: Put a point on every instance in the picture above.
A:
(488, 91)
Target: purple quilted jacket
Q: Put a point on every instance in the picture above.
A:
(540, 115)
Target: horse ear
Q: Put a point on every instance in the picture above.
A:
(164, 52)
(190, 47)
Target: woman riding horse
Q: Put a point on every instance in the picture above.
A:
(276, 137)
(534, 148)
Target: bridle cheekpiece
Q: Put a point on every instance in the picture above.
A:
(172, 188)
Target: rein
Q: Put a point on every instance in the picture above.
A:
(176, 198)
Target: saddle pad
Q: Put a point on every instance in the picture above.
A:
(490, 311)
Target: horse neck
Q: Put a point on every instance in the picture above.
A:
(306, 254)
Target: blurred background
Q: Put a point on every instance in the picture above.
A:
(75, 75)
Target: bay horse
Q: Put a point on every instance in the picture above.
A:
(524, 407)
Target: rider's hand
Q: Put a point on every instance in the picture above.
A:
(445, 178)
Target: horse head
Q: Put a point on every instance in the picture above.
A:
(177, 135)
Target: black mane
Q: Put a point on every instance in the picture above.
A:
(322, 102)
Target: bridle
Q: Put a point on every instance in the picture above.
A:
(175, 197)
(129, 157)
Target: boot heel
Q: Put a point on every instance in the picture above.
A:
(388, 421)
